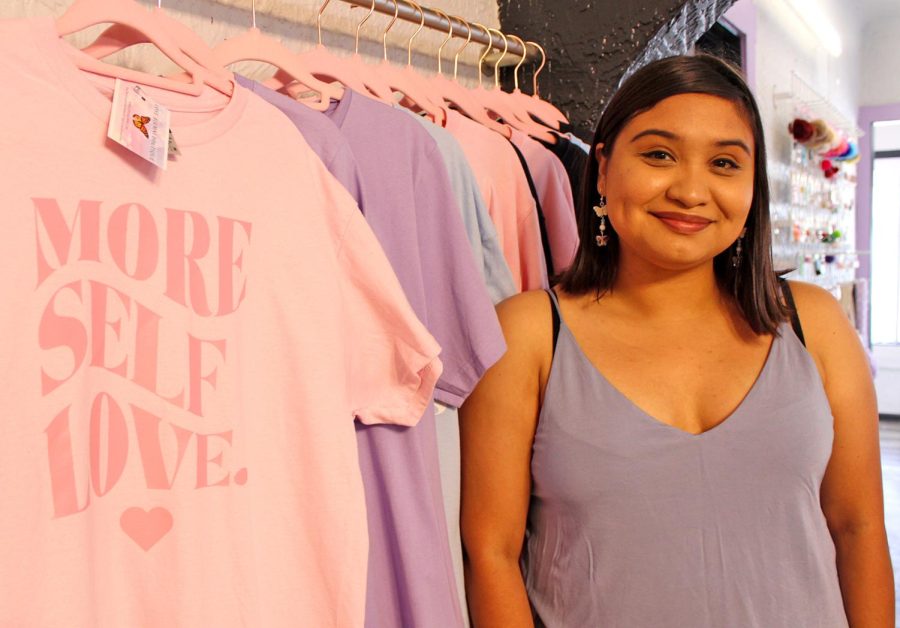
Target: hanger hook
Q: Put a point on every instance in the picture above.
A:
(440, 52)
(364, 20)
(389, 27)
(464, 46)
(158, 4)
(541, 67)
(319, 19)
(521, 61)
(487, 49)
(500, 59)
(418, 9)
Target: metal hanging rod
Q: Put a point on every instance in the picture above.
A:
(434, 20)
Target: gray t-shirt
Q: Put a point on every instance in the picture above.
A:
(480, 229)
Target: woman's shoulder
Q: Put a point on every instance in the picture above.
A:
(526, 312)
(817, 308)
(827, 330)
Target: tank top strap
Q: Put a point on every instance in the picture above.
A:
(792, 307)
(554, 310)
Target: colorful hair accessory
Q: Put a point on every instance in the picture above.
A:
(842, 147)
(851, 155)
(801, 130)
(822, 135)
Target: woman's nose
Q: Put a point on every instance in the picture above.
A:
(689, 187)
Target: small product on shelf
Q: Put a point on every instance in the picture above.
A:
(814, 208)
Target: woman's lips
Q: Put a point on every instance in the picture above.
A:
(683, 223)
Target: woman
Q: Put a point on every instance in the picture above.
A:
(674, 456)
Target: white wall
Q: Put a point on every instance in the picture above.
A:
(784, 45)
(880, 69)
(292, 22)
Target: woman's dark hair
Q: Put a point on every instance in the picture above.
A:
(753, 283)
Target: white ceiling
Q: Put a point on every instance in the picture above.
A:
(872, 9)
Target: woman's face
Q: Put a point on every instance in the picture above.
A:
(679, 181)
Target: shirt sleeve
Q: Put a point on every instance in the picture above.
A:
(342, 164)
(497, 276)
(461, 313)
(393, 362)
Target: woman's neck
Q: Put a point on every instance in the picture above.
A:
(675, 295)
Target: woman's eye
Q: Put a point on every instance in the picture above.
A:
(659, 155)
(727, 164)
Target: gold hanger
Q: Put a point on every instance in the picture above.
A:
(541, 67)
(464, 98)
(521, 61)
(487, 50)
(389, 27)
(464, 46)
(500, 59)
(406, 80)
(509, 109)
(319, 19)
(360, 25)
(540, 109)
(440, 52)
(418, 9)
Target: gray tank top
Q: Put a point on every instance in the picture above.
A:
(637, 524)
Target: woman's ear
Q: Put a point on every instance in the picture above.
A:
(604, 163)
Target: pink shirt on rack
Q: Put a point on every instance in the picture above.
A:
(183, 356)
(508, 197)
(555, 193)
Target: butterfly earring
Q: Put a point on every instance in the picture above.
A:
(737, 258)
(600, 210)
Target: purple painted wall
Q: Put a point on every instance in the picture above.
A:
(742, 16)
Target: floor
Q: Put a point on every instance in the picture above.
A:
(890, 465)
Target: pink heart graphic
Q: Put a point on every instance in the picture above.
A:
(146, 527)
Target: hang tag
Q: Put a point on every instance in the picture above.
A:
(173, 147)
(140, 124)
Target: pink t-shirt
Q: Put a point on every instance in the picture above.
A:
(183, 355)
(555, 193)
(510, 204)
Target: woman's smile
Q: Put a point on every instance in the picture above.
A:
(685, 224)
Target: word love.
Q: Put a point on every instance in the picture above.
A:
(160, 447)
(201, 259)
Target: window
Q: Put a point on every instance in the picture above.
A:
(886, 233)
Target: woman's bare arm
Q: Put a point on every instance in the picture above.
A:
(497, 426)
(852, 497)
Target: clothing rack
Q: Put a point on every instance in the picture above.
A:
(436, 21)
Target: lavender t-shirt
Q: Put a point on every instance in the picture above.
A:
(319, 132)
(477, 219)
(412, 210)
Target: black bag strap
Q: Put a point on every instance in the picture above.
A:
(542, 221)
(789, 299)
(555, 313)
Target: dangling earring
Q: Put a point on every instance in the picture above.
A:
(739, 249)
(600, 210)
